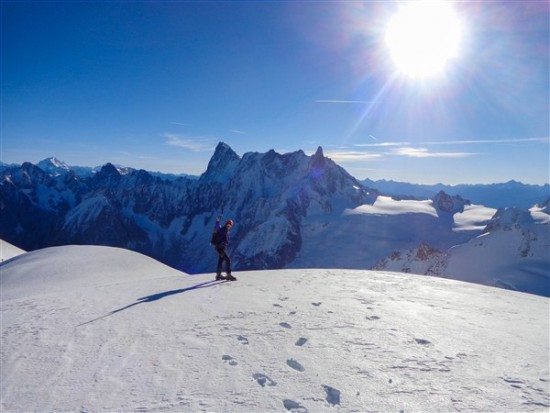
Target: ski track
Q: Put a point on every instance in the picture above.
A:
(281, 349)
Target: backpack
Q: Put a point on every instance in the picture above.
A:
(214, 238)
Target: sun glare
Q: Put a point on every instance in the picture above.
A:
(422, 37)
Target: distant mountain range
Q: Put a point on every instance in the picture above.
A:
(55, 167)
(498, 195)
(290, 211)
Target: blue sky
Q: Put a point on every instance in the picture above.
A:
(155, 85)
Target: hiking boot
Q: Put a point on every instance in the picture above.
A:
(230, 278)
(219, 277)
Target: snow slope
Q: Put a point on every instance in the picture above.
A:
(513, 252)
(359, 237)
(105, 329)
(513, 256)
(8, 251)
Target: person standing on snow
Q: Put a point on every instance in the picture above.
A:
(222, 241)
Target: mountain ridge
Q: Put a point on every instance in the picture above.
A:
(290, 211)
(495, 195)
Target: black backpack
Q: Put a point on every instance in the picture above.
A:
(214, 238)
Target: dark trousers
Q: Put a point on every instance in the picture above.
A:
(222, 256)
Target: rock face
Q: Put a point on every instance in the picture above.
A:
(447, 203)
(424, 259)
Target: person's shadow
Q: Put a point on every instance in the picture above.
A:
(156, 297)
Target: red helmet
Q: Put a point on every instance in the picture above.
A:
(229, 222)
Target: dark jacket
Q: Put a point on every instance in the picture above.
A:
(223, 236)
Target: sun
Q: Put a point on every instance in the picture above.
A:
(423, 37)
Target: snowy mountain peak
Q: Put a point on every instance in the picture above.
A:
(53, 166)
(508, 218)
(224, 151)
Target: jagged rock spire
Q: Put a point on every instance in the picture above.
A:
(222, 163)
(318, 159)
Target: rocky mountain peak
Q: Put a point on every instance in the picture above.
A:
(109, 169)
(447, 203)
(223, 163)
(53, 165)
(425, 251)
(107, 174)
(28, 173)
(318, 159)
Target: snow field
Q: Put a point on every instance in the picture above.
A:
(8, 251)
(105, 329)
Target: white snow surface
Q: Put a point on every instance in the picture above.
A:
(541, 215)
(89, 328)
(385, 205)
(8, 251)
(474, 218)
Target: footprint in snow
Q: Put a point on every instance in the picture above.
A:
(301, 341)
(295, 365)
(317, 304)
(373, 318)
(294, 407)
(333, 395)
(263, 380)
(285, 325)
(423, 341)
(229, 359)
(242, 339)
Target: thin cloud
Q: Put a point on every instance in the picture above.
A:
(178, 123)
(381, 144)
(195, 144)
(239, 132)
(352, 156)
(454, 142)
(425, 153)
